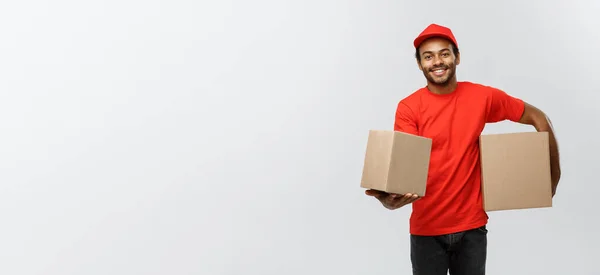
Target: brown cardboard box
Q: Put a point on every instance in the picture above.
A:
(515, 171)
(396, 162)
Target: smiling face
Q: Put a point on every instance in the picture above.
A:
(438, 60)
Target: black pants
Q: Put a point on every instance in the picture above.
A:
(462, 253)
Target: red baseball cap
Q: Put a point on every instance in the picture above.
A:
(435, 30)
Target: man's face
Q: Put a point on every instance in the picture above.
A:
(438, 61)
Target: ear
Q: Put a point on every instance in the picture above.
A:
(419, 64)
(457, 60)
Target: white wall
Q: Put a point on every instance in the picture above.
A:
(227, 137)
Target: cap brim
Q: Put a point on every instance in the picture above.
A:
(424, 37)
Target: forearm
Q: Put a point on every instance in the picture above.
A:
(543, 124)
(538, 119)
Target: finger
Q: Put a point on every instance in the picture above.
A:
(396, 200)
(413, 198)
(391, 199)
(400, 200)
(409, 198)
(372, 192)
(396, 196)
(376, 193)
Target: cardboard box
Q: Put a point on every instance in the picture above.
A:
(515, 171)
(396, 162)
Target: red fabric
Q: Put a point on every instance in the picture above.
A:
(454, 122)
(435, 30)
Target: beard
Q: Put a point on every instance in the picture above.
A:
(440, 80)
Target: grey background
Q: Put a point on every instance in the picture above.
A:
(227, 137)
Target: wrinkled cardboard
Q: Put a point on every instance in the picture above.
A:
(515, 171)
(396, 162)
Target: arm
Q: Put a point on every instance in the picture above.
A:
(538, 119)
(502, 106)
(404, 122)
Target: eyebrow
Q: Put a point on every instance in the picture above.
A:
(426, 52)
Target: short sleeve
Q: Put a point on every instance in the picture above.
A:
(405, 119)
(502, 106)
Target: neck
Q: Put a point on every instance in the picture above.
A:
(443, 89)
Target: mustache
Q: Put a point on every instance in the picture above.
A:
(444, 67)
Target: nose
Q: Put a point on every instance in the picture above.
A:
(437, 61)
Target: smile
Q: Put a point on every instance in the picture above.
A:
(439, 72)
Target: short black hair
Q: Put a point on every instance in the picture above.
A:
(454, 49)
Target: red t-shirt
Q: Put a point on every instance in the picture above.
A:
(454, 122)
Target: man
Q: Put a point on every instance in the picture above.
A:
(448, 225)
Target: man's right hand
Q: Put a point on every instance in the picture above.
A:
(392, 201)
